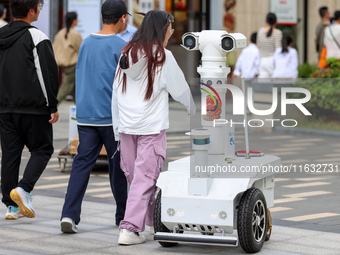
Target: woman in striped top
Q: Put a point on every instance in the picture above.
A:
(268, 40)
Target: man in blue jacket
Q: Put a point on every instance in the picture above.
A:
(28, 105)
(98, 57)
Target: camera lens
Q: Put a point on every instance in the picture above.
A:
(190, 42)
(227, 44)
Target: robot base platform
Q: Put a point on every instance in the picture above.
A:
(221, 209)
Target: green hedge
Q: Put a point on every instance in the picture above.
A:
(306, 70)
(324, 86)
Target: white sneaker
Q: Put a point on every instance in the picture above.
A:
(128, 237)
(23, 200)
(13, 213)
(68, 225)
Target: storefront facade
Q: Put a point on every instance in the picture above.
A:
(243, 16)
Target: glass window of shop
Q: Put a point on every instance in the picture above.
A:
(190, 15)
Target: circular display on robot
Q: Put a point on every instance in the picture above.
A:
(227, 44)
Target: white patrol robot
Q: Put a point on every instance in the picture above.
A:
(228, 205)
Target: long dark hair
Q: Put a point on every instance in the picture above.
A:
(151, 32)
(286, 41)
(69, 18)
(271, 20)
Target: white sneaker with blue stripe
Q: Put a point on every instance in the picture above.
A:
(23, 200)
(13, 213)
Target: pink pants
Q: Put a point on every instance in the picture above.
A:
(142, 158)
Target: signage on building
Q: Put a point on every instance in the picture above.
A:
(285, 10)
(88, 11)
(146, 5)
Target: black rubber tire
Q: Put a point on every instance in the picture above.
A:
(252, 220)
(158, 225)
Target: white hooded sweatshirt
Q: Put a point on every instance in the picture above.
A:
(131, 114)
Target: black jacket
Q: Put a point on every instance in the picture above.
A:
(28, 71)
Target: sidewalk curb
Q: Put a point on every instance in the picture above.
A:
(307, 131)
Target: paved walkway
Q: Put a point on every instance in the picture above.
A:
(98, 235)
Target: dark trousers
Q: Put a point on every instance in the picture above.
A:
(18, 130)
(91, 140)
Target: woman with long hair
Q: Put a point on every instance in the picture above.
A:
(146, 75)
(268, 40)
(286, 59)
(66, 47)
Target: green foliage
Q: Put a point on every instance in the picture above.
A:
(326, 73)
(306, 70)
(324, 86)
(333, 63)
(325, 94)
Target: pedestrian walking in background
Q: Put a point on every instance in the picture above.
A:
(332, 37)
(28, 105)
(286, 59)
(128, 32)
(320, 29)
(268, 40)
(66, 47)
(3, 13)
(98, 57)
(248, 62)
(146, 75)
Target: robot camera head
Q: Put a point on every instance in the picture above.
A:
(218, 38)
(234, 41)
(190, 41)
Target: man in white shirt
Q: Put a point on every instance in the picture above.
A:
(332, 37)
(248, 62)
(129, 31)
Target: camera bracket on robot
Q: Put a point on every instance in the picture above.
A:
(214, 46)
